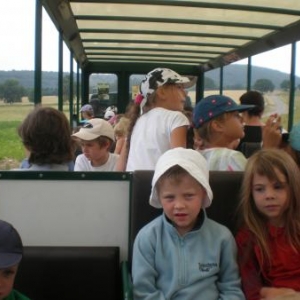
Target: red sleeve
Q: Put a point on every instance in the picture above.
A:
(248, 265)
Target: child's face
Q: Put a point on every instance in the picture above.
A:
(174, 96)
(271, 197)
(93, 151)
(7, 278)
(181, 201)
(233, 127)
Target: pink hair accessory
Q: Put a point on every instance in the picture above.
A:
(138, 99)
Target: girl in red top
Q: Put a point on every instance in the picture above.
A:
(269, 239)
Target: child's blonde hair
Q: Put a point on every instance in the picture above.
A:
(121, 128)
(206, 131)
(265, 162)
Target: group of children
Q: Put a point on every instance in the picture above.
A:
(154, 124)
(183, 254)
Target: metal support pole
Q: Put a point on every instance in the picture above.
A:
(292, 87)
(38, 54)
(249, 73)
(71, 94)
(60, 72)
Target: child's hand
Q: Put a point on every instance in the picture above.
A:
(271, 133)
(267, 293)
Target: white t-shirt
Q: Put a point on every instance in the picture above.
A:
(224, 159)
(151, 137)
(83, 164)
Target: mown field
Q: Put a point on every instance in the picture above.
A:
(12, 151)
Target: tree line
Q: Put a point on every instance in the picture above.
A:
(12, 91)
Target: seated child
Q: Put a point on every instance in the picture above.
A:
(217, 121)
(87, 112)
(183, 254)
(11, 251)
(96, 138)
(269, 238)
(45, 133)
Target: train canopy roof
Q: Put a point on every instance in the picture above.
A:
(187, 35)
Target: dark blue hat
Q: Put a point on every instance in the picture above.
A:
(213, 106)
(11, 248)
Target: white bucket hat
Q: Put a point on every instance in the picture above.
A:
(191, 161)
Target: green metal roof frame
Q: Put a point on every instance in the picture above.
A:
(107, 47)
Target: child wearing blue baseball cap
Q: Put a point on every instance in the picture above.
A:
(217, 121)
(11, 252)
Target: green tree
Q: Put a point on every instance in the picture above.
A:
(285, 85)
(209, 83)
(264, 85)
(30, 93)
(11, 91)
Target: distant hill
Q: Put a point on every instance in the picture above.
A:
(234, 77)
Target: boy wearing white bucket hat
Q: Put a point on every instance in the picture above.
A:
(183, 254)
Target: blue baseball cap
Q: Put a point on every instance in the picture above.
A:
(11, 248)
(215, 105)
(294, 137)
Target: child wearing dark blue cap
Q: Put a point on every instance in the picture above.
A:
(11, 252)
(217, 122)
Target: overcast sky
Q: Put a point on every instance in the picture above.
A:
(17, 42)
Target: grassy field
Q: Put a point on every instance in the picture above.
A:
(12, 151)
(11, 116)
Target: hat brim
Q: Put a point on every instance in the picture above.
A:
(86, 136)
(240, 108)
(185, 81)
(9, 259)
(192, 169)
(192, 82)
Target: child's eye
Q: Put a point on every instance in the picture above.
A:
(8, 273)
(258, 189)
(189, 195)
(278, 185)
(168, 198)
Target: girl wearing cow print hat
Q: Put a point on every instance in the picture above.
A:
(157, 121)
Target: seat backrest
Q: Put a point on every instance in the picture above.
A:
(225, 186)
(248, 148)
(141, 212)
(69, 273)
(226, 189)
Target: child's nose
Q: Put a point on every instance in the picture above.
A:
(269, 193)
(179, 203)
